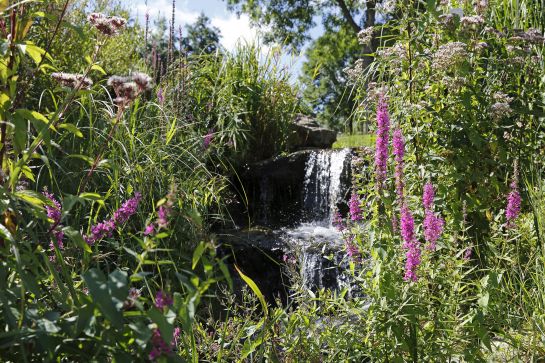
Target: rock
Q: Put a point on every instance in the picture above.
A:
(258, 253)
(272, 190)
(309, 134)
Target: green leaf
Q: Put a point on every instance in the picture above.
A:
(197, 254)
(95, 197)
(71, 128)
(99, 291)
(98, 68)
(39, 121)
(33, 198)
(158, 318)
(5, 233)
(85, 315)
(33, 51)
(19, 133)
(118, 286)
(77, 238)
(254, 288)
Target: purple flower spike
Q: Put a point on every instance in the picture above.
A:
(412, 262)
(411, 244)
(53, 212)
(162, 299)
(433, 225)
(355, 209)
(160, 347)
(208, 139)
(514, 200)
(149, 230)
(352, 249)
(433, 228)
(107, 227)
(128, 208)
(467, 254)
(513, 206)
(338, 221)
(428, 196)
(407, 226)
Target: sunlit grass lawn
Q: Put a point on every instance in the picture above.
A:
(344, 140)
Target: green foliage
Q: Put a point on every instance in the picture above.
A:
(240, 105)
(352, 141)
(451, 110)
(327, 89)
(201, 36)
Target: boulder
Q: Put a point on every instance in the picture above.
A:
(309, 134)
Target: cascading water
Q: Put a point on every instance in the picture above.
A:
(318, 243)
(291, 204)
(322, 185)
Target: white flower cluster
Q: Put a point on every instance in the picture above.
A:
(128, 88)
(501, 107)
(74, 81)
(500, 110)
(449, 55)
(394, 55)
(354, 72)
(107, 25)
(531, 36)
(472, 21)
(365, 36)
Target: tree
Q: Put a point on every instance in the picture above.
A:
(289, 22)
(202, 37)
(326, 88)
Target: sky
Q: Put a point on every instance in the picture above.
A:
(233, 28)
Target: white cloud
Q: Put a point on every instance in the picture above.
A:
(233, 29)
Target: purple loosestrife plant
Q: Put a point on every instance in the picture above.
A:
(207, 140)
(428, 196)
(150, 229)
(433, 224)
(352, 249)
(407, 226)
(410, 244)
(160, 347)
(164, 212)
(162, 300)
(338, 221)
(381, 148)
(54, 213)
(399, 152)
(107, 227)
(433, 228)
(412, 262)
(467, 254)
(514, 200)
(355, 209)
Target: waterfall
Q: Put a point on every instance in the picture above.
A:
(322, 185)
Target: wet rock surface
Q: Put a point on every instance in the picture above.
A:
(289, 203)
(308, 133)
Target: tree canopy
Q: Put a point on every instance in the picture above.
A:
(290, 23)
